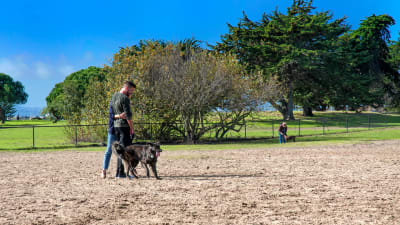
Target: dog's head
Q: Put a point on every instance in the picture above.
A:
(152, 152)
(117, 147)
(157, 147)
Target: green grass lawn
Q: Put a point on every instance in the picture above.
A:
(323, 128)
(328, 139)
(33, 122)
(24, 134)
(304, 141)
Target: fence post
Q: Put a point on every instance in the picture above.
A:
(347, 124)
(151, 131)
(33, 136)
(245, 129)
(76, 135)
(273, 129)
(369, 122)
(299, 127)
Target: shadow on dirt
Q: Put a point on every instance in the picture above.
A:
(212, 176)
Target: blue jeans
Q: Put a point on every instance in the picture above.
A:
(282, 138)
(107, 156)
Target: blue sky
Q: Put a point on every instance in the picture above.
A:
(42, 42)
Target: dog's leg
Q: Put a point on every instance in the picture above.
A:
(147, 169)
(154, 168)
(133, 170)
(134, 173)
(127, 168)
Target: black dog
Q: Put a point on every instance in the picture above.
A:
(288, 138)
(146, 153)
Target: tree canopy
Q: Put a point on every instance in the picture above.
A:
(289, 49)
(178, 86)
(299, 57)
(66, 98)
(365, 72)
(11, 93)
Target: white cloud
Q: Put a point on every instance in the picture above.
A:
(42, 70)
(16, 68)
(24, 66)
(20, 68)
(66, 70)
(88, 57)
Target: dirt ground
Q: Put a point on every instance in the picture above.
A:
(338, 184)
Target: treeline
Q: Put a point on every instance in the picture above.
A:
(300, 57)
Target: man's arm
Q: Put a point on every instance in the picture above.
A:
(113, 116)
(128, 114)
(130, 127)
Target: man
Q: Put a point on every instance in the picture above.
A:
(110, 139)
(282, 133)
(123, 127)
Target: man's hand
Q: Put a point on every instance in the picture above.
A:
(122, 115)
(130, 127)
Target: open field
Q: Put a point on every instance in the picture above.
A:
(285, 184)
(262, 125)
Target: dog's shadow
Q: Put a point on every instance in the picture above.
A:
(211, 176)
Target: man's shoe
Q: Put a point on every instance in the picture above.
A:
(103, 174)
(120, 175)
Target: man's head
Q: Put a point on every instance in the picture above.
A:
(284, 124)
(128, 88)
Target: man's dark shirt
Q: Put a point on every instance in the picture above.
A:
(121, 103)
(282, 129)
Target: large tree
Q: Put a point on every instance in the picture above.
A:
(365, 71)
(191, 84)
(179, 88)
(289, 49)
(394, 52)
(394, 60)
(11, 93)
(66, 99)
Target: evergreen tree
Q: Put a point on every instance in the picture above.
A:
(291, 49)
(365, 75)
(11, 93)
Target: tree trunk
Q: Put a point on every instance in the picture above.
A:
(2, 116)
(290, 115)
(190, 135)
(286, 106)
(282, 107)
(307, 111)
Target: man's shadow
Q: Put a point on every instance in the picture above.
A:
(212, 176)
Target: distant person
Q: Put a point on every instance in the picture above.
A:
(110, 139)
(123, 127)
(282, 133)
(17, 116)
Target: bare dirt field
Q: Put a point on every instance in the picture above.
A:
(337, 184)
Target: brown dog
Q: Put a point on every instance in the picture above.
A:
(288, 138)
(146, 153)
